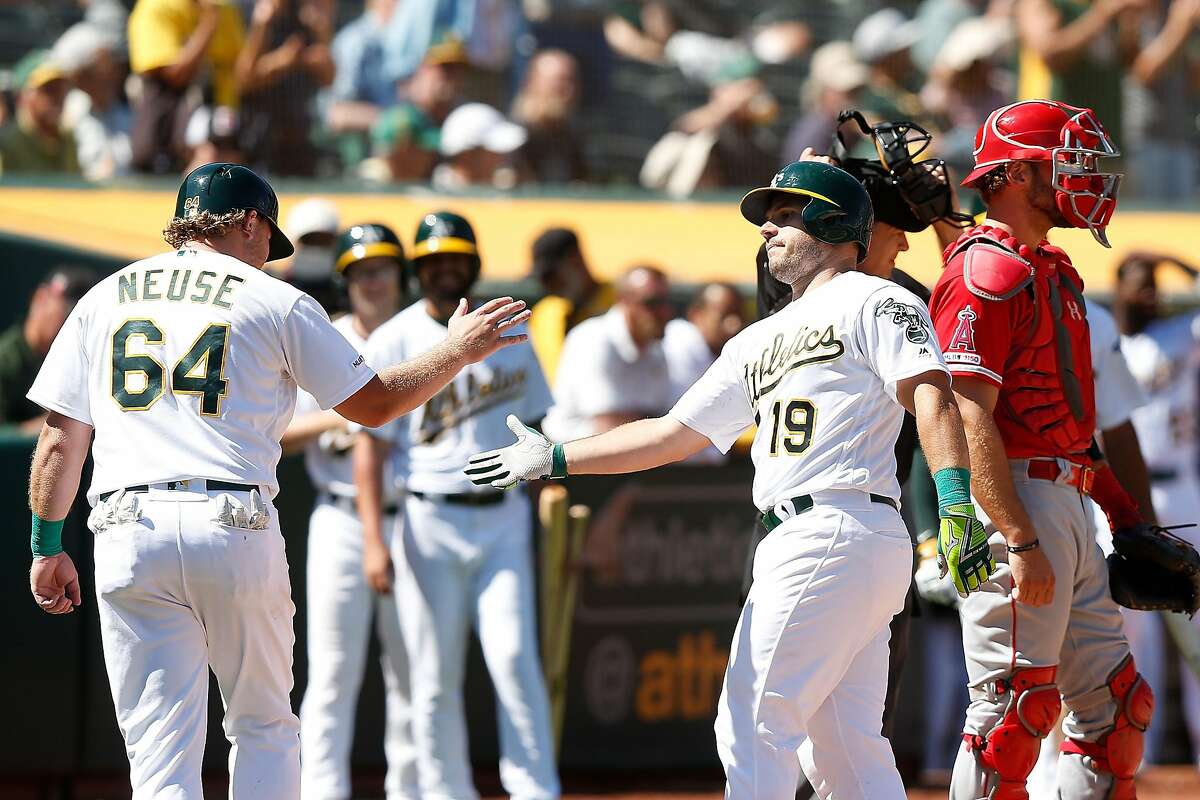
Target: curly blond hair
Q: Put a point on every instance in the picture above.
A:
(204, 225)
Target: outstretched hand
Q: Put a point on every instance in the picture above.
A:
(529, 458)
(54, 583)
(480, 333)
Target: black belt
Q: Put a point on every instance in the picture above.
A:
(465, 499)
(350, 505)
(174, 486)
(771, 520)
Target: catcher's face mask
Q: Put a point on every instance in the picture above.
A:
(1086, 194)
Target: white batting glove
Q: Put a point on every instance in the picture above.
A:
(532, 457)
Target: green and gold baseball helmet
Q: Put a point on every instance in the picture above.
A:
(220, 188)
(838, 208)
(445, 232)
(369, 240)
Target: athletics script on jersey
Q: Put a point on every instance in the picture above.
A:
(179, 286)
(781, 356)
(448, 408)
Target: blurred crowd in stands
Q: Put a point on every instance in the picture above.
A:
(676, 96)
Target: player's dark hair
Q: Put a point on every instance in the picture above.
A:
(993, 181)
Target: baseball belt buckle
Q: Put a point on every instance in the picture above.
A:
(1085, 477)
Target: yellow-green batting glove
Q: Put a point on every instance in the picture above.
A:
(962, 548)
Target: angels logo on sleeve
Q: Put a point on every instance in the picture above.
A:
(961, 348)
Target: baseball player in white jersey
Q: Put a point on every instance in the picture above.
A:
(467, 551)
(1164, 355)
(369, 261)
(185, 365)
(826, 379)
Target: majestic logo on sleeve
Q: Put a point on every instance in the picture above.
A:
(964, 332)
(907, 317)
(808, 346)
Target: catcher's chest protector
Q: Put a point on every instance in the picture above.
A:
(1048, 387)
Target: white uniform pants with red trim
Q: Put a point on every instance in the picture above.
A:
(1081, 631)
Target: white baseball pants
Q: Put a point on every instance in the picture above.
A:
(179, 593)
(473, 564)
(340, 606)
(808, 665)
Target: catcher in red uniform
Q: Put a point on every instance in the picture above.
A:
(1044, 629)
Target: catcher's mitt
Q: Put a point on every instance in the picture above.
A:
(1153, 569)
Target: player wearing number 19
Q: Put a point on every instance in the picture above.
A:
(826, 380)
(185, 366)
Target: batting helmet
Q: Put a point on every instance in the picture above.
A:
(1071, 139)
(220, 188)
(838, 208)
(369, 240)
(445, 232)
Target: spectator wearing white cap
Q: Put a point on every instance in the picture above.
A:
(479, 146)
(312, 225)
(883, 42)
(835, 80)
(95, 109)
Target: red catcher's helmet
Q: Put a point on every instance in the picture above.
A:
(1071, 139)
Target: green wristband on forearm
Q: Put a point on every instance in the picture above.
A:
(45, 538)
(953, 486)
(558, 462)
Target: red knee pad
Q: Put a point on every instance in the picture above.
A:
(1119, 751)
(1011, 748)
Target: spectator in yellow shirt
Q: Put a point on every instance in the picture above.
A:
(572, 294)
(173, 46)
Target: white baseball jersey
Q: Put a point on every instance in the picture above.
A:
(602, 371)
(1117, 391)
(1164, 359)
(187, 363)
(432, 444)
(819, 379)
(328, 457)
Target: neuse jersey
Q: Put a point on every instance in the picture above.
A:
(1165, 360)
(431, 445)
(186, 365)
(819, 379)
(327, 459)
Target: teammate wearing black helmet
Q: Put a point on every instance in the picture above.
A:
(826, 380)
(467, 551)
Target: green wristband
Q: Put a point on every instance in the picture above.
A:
(953, 486)
(45, 538)
(558, 462)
